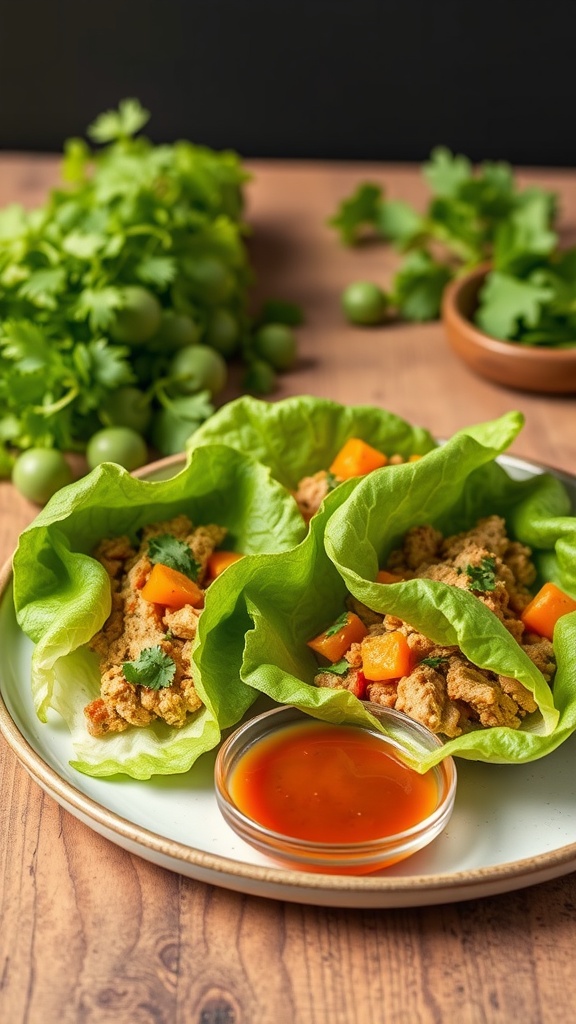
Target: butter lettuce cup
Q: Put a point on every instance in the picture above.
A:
(63, 598)
(452, 490)
(341, 556)
(301, 438)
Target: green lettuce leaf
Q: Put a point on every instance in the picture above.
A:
(299, 436)
(62, 596)
(452, 487)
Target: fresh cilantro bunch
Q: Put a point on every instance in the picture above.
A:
(123, 297)
(472, 215)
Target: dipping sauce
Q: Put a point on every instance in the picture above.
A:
(330, 784)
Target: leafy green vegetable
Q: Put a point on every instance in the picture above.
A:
(62, 597)
(472, 215)
(482, 577)
(168, 550)
(506, 303)
(140, 253)
(298, 436)
(338, 668)
(419, 286)
(337, 625)
(434, 662)
(455, 485)
(357, 211)
(153, 668)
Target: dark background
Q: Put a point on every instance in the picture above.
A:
(337, 79)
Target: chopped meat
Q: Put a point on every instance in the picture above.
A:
(136, 625)
(311, 492)
(385, 694)
(421, 547)
(483, 694)
(541, 652)
(423, 695)
(366, 615)
(444, 690)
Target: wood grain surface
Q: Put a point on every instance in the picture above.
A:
(90, 933)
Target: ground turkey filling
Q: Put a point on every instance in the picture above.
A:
(136, 624)
(453, 696)
(312, 490)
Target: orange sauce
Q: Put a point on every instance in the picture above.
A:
(330, 784)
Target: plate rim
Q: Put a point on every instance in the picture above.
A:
(279, 882)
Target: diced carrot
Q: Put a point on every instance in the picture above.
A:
(542, 613)
(171, 588)
(220, 560)
(334, 642)
(386, 656)
(384, 576)
(356, 458)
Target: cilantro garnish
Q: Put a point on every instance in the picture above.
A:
(176, 554)
(435, 661)
(129, 215)
(482, 577)
(339, 668)
(332, 481)
(357, 212)
(474, 214)
(337, 625)
(153, 669)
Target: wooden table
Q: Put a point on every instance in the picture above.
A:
(89, 933)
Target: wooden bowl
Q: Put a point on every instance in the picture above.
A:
(523, 367)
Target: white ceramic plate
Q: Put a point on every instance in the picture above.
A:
(512, 826)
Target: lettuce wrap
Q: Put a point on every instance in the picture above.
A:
(298, 436)
(451, 488)
(62, 597)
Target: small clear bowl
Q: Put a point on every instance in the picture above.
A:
(360, 857)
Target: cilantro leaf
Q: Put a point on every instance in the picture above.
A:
(159, 271)
(26, 345)
(339, 668)
(398, 222)
(42, 287)
(358, 211)
(336, 626)
(101, 363)
(419, 285)
(166, 549)
(506, 304)
(75, 162)
(153, 669)
(482, 577)
(435, 661)
(98, 306)
(525, 237)
(119, 124)
(446, 173)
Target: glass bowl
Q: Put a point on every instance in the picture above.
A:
(340, 814)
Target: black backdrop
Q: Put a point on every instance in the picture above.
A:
(348, 79)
